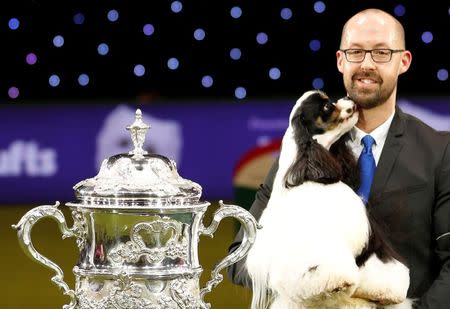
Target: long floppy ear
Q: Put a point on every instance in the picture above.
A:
(312, 163)
(346, 159)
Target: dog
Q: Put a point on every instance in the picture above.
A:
(318, 247)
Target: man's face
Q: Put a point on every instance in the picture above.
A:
(368, 83)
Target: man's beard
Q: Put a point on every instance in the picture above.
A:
(369, 98)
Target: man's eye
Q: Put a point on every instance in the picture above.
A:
(381, 52)
(354, 52)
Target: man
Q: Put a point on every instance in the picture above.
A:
(411, 187)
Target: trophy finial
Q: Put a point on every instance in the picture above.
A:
(138, 130)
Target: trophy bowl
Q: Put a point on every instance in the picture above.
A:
(137, 225)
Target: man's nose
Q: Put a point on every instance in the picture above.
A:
(368, 62)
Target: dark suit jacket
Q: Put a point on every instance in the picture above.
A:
(411, 195)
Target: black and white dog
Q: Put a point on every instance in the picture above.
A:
(318, 248)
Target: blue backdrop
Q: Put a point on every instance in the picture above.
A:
(46, 149)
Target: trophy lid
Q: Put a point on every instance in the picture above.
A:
(138, 175)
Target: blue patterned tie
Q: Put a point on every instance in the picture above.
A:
(367, 167)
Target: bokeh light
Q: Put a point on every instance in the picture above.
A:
(58, 41)
(235, 53)
(240, 92)
(113, 15)
(13, 23)
(139, 70)
(148, 29)
(31, 58)
(83, 79)
(173, 63)
(13, 92)
(427, 37)
(317, 83)
(274, 73)
(103, 49)
(442, 74)
(236, 12)
(286, 13)
(207, 81)
(319, 7)
(262, 38)
(54, 80)
(78, 18)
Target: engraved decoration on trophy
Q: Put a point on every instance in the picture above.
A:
(137, 225)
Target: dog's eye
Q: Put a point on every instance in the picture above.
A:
(327, 107)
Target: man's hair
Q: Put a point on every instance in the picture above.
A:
(398, 26)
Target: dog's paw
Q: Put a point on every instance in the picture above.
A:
(317, 279)
(386, 283)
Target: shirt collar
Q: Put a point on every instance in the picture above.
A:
(379, 134)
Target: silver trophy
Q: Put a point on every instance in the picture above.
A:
(137, 226)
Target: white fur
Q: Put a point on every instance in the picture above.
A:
(304, 255)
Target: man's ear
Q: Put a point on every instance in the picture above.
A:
(405, 62)
(340, 60)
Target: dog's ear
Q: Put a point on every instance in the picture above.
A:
(346, 159)
(313, 163)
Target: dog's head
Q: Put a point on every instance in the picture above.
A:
(316, 116)
(315, 124)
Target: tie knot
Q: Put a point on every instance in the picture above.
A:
(367, 141)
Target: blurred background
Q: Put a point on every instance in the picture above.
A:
(216, 81)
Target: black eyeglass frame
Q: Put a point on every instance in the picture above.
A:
(370, 51)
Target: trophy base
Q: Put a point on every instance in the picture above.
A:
(127, 292)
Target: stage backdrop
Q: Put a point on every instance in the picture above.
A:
(46, 149)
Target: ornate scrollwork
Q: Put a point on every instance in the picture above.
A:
(125, 293)
(79, 228)
(131, 251)
(180, 293)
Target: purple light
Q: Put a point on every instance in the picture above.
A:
(235, 12)
(139, 70)
(148, 29)
(442, 74)
(103, 49)
(83, 79)
(113, 15)
(286, 13)
(207, 81)
(13, 92)
(235, 53)
(173, 63)
(176, 6)
(31, 58)
(78, 18)
(58, 41)
(319, 7)
(427, 37)
(54, 80)
(317, 83)
(240, 92)
(274, 73)
(262, 38)
(314, 45)
(13, 24)
(199, 34)
(399, 10)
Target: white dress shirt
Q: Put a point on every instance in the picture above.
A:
(379, 135)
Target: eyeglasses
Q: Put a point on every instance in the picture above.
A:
(379, 55)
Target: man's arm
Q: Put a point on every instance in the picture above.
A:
(237, 272)
(438, 296)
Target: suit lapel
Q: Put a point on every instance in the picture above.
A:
(389, 154)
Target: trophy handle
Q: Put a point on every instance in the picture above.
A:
(249, 225)
(24, 227)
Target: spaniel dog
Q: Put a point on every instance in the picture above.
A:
(318, 246)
